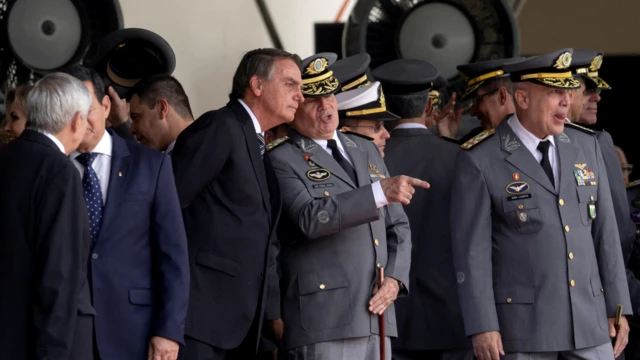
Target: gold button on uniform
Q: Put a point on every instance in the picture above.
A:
(571, 256)
(572, 283)
(509, 300)
(520, 206)
(561, 202)
(601, 290)
(322, 286)
(378, 265)
(592, 198)
(326, 193)
(566, 228)
(376, 242)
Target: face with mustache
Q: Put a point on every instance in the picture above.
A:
(542, 110)
(317, 117)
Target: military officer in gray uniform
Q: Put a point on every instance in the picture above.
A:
(430, 323)
(585, 66)
(536, 249)
(342, 220)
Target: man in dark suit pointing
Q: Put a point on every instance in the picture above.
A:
(230, 204)
(45, 308)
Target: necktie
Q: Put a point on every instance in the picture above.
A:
(92, 193)
(263, 145)
(331, 144)
(543, 147)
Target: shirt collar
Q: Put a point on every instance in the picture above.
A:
(323, 142)
(170, 147)
(55, 140)
(528, 139)
(104, 147)
(256, 124)
(410, 126)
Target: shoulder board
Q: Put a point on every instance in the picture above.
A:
(448, 139)
(277, 142)
(633, 184)
(356, 134)
(478, 139)
(581, 128)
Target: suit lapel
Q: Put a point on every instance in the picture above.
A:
(567, 155)
(120, 161)
(521, 157)
(251, 140)
(319, 156)
(358, 158)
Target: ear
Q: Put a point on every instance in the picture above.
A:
(163, 109)
(522, 99)
(346, 128)
(502, 96)
(427, 111)
(255, 85)
(76, 125)
(106, 104)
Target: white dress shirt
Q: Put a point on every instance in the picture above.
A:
(410, 126)
(378, 194)
(253, 117)
(55, 140)
(531, 142)
(101, 165)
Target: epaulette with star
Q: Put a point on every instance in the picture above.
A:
(277, 142)
(356, 134)
(478, 139)
(581, 128)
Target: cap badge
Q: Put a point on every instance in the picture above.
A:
(596, 63)
(317, 66)
(563, 61)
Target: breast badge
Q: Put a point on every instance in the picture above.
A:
(584, 176)
(318, 174)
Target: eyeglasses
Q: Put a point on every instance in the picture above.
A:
(627, 167)
(479, 98)
(376, 128)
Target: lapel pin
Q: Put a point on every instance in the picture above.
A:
(516, 176)
(120, 173)
(306, 157)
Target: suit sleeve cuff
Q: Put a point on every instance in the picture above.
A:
(378, 195)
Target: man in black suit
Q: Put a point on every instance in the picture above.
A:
(231, 203)
(45, 309)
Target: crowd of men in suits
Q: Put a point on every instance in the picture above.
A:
(261, 228)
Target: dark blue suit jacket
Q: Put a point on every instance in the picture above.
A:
(139, 265)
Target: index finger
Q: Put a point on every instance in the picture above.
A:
(418, 182)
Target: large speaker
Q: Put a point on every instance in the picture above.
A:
(42, 36)
(446, 33)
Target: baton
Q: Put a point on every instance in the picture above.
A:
(381, 319)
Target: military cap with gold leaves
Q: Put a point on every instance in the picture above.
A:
(317, 78)
(586, 64)
(478, 73)
(552, 69)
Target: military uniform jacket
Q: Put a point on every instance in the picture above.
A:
(333, 238)
(543, 267)
(429, 318)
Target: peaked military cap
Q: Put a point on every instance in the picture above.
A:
(126, 56)
(365, 103)
(406, 76)
(476, 74)
(317, 77)
(552, 69)
(586, 64)
(352, 72)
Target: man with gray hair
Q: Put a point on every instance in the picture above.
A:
(46, 312)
